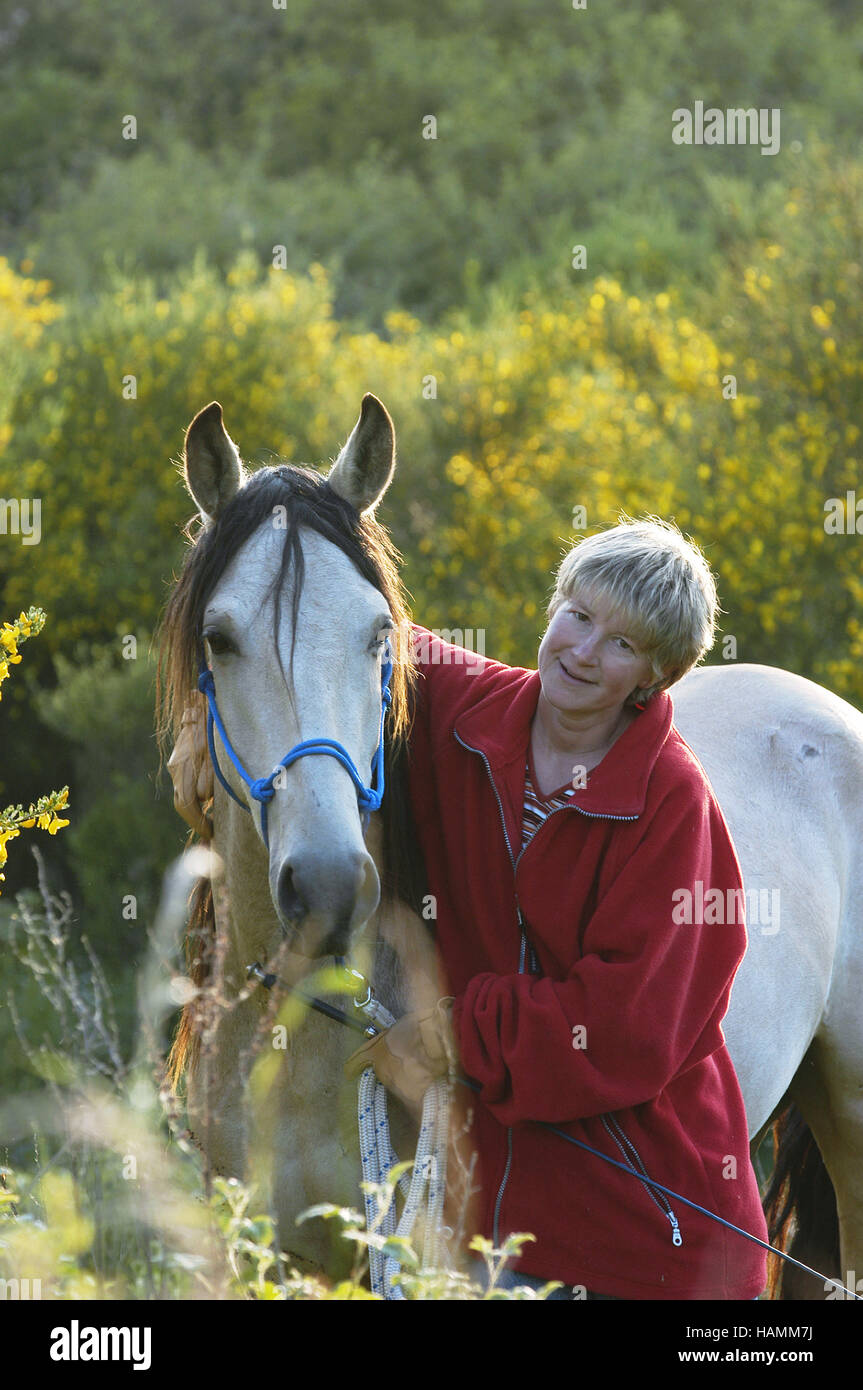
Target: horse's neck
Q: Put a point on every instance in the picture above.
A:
(303, 1117)
(405, 971)
(246, 921)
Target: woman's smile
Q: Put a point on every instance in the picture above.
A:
(578, 680)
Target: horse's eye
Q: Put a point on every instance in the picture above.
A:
(217, 642)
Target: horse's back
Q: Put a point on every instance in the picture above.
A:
(785, 759)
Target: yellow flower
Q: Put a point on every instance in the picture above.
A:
(8, 834)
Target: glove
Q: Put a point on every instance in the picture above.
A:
(191, 770)
(418, 1050)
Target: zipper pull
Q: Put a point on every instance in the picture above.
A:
(526, 945)
(676, 1237)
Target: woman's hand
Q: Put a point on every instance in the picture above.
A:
(418, 1050)
(191, 770)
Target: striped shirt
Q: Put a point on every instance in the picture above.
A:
(537, 808)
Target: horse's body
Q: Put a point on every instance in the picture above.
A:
(784, 756)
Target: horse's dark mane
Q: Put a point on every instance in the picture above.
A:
(308, 501)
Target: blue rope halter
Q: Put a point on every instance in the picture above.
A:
(262, 789)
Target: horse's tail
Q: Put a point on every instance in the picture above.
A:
(200, 936)
(800, 1207)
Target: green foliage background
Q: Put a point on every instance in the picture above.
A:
(409, 259)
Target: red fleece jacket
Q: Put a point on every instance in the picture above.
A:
(617, 1036)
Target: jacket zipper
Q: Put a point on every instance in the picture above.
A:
(505, 1179)
(524, 943)
(676, 1237)
(631, 1154)
(503, 1182)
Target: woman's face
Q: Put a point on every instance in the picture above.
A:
(587, 661)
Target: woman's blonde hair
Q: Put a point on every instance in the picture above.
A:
(660, 583)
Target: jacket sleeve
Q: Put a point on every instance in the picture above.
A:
(645, 999)
(450, 675)
(450, 680)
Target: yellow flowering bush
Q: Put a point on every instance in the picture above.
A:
(26, 310)
(44, 815)
(736, 413)
(733, 412)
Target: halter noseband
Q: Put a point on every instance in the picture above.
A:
(262, 789)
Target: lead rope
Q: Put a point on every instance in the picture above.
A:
(423, 1191)
(428, 1181)
(377, 1155)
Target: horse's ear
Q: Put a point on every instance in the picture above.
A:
(211, 464)
(364, 469)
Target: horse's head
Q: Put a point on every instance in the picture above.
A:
(290, 591)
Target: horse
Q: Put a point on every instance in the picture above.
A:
(784, 756)
(319, 888)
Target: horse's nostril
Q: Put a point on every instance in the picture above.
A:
(291, 903)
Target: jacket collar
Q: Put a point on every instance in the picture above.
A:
(499, 728)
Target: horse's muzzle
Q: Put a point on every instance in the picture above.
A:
(322, 907)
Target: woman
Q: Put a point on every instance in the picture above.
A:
(561, 815)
